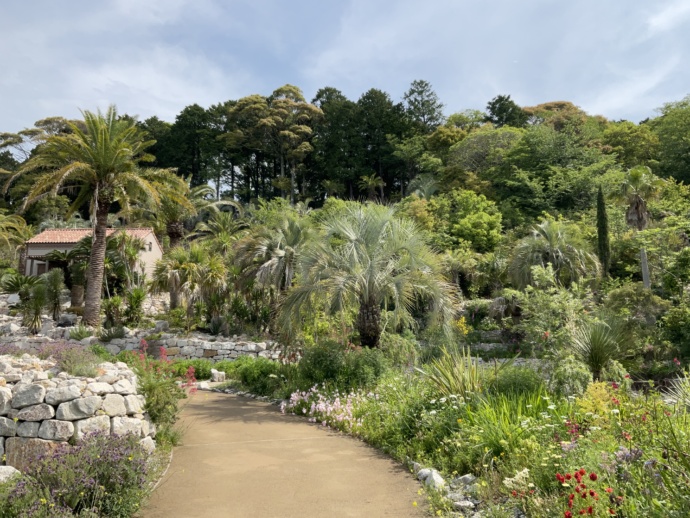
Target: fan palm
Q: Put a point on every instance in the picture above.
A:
(369, 258)
(370, 184)
(639, 186)
(554, 243)
(596, 344)
(99, 159)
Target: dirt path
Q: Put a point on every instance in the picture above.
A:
(242, 458)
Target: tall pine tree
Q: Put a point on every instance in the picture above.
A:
(603, 243)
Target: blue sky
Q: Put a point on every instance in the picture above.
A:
(617, 58)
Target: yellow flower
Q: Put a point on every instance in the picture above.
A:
(414, 504)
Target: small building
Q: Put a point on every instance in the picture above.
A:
(64, 239)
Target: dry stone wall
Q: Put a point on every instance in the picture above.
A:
(40, 407)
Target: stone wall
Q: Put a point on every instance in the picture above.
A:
(41, 407)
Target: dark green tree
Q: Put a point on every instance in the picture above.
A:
(423, 106)
(503, 111)
(603, 242)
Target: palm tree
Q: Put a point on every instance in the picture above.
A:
(270, 255)
(369, 258)
(99, 160)
(370, 184)
(555, 243)
(639, 186)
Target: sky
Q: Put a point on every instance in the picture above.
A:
(619, 58)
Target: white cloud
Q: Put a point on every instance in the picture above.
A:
(669, 17)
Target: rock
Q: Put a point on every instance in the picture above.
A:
(28, 429)
(13, 299)
(217, 376)
(203, 385)
(210, 353)
(21, 452)
(28, 395)
(10, 329)
(431, 478)
(463, 505)
(98, 424)
(123, 387)
(108, 378)
(62, 394)
(8, 427)
(39, 412)
(67, 320)
(54, 430)
(99, 388)
(125, 425)
(5, 400)
(134, 404)
(113, 349)
(465, 480)
(173, 351)
(455, 496)
(2, 447)
(161, 326)
(47, 327)
(148, 444)
(8, 472)
(416, 467)
(114, 405)
(79, 408)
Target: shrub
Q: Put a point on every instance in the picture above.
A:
(260, 375)
(112, 308)
(202, 368)
(596, 344)
(134, 312)
(455, 372)
(676, 328)
(71, 358)
(111, 333)
(569, 377)
(322, 362)
(80, 332)
(100, 476)
(102, 353)
(400, 350)
(517, 381)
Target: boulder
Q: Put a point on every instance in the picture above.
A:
(148, 444)
(161, 326)
(7, 473)
(13, 299)
(54, 430)
(79, 408)
(125, 425)
(27, 395)
(62, 394)
(10, 329)
(123, 387)
(8, 427)
(5, 400)
(28, 429)
(217, 376)
(98, 424)
(21, 452)
(39, 412)
(67, 320)
(114, 405)
(431, 478)
(99, 388)
(134, 404)
(463, 505)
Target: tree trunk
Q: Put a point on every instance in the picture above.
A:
(21, 265)
(175, 231)
(76, 295)
(645, 269)
(369, 322)
(174, 298)
(94, 274)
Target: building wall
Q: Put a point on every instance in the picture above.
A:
(148, 258)
(41, 249)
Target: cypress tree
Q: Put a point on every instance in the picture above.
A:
(603, 244)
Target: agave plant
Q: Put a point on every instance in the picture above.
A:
(54, 282)
(18, 283)
(596, 344)
(32, 308)
(455, 373)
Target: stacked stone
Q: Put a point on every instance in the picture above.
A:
(41, 407)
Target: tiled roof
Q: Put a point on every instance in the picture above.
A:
(74, 235)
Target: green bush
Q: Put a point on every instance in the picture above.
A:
(399, 350)
(569, 377)
(260, 375)
(103, 353)
(516, 381)
(676, 328)
(202, 368)
(111, 333)
(322, 362)
(80, 332)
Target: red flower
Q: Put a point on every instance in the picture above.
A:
(609, 490)
(582, 511)
(592, 476)
(592, 493)
(582, 471)
(590, 510)
(568, 476)
(627, 376)
(614, 385)
(611, 511)
(568, 514)
(560, 478)
(513, 492)
(676, 361)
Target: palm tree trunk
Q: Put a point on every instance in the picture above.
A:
(645, 269)
(21, 266)
(174, 298)
(76, 295)
(175, 231)
(94, 275)
(369, 322)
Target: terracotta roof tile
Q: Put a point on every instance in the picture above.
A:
(74, 235)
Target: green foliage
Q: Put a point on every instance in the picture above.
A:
(516, 381)
(569, 377)
(113, 309)
(111, 333)
(32, 308)
(80, 332)
(102, 353)
(54, 281)
(676, 328)
(17, 283)
(456, 372)
(399, 350)
(259, 375)
(78, 361)
(134, 310)
(596, 344)
(603, 242)
(202, 368)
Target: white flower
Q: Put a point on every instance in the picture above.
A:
(615, 411)
(433, 412)
(551, 407)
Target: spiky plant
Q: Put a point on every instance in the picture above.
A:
(54, 282)
(596, 344)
